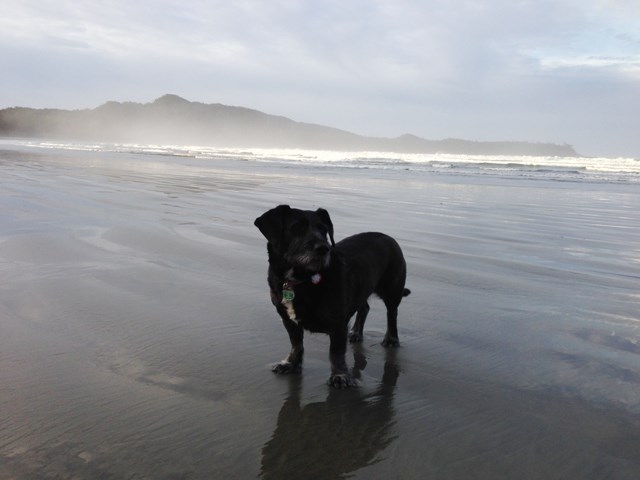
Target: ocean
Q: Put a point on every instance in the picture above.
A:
(137, 333)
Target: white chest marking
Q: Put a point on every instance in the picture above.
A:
(290, 310)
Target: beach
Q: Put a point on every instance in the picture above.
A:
(137, 332)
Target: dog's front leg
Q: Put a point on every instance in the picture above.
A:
(293, 362)
(340, 376)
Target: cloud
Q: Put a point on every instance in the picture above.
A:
(384, 42)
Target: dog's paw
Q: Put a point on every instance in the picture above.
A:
(355, 337)
(390, 341)
(342, 380)
(285, 367)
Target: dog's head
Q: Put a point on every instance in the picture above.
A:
(300, 237)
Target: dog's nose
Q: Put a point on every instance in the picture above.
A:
(322, 249)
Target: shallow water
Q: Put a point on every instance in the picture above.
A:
(136, 330)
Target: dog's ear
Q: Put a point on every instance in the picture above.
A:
(271, 224)
(326, 219)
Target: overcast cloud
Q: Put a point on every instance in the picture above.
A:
(535, 70)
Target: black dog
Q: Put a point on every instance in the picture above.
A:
(318, 286)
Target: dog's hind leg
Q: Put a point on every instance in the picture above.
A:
(391, 337)
(356, 335)
(293, 362)
(392, 295)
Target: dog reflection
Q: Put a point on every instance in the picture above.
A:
(333, 438)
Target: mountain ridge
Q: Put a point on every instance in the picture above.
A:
(171, 119)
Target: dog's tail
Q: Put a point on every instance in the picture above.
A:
(406, 292)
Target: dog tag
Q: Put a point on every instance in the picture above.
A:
(288, 295)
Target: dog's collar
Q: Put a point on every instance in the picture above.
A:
(287, 287)
(316, 278)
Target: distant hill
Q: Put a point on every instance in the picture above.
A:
(173, 120)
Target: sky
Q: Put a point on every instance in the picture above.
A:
(561, 71)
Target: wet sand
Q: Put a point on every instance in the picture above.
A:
(136, 331)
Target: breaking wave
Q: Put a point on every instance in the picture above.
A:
(591, 169)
